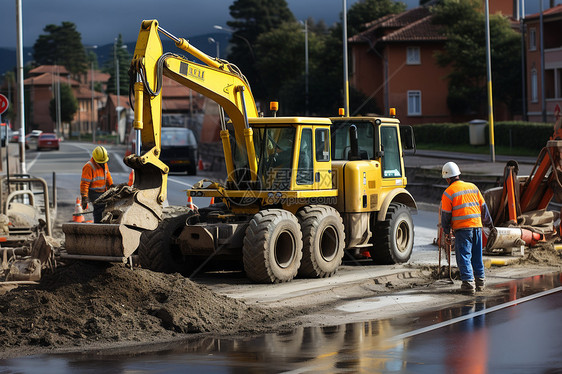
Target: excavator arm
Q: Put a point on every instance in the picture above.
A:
(217, 80)
(129, 211)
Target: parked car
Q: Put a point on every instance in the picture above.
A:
(179, 149)
(47, 140)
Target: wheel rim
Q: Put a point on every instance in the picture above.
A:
(402, 236)
(329, 243)
(284, 249)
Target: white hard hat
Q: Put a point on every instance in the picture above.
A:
(450, 170)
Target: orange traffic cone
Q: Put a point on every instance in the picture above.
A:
(212, 201)
(190, 204)
(131, 178)
(200, 164)
(366, 254)
(78, 217)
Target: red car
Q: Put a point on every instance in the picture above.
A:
(48, 141)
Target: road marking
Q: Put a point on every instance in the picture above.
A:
(30, 164)
(475, 314)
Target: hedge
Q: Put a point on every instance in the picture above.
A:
(519, 134)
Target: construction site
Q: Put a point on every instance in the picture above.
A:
(312, 214)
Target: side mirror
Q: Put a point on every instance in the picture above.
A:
(407, 137)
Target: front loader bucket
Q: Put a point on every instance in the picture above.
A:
(103, 242)
(128, 212)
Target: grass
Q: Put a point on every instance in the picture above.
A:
(480, 149)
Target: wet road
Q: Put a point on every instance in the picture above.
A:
(516, 332)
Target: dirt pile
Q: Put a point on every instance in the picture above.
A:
(98, 302)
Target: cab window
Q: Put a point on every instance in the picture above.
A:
(391, 160)
(341, 144)
(322, 145)
(305, 166)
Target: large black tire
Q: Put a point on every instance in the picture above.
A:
(394, 237)
(272, 248)
(323, 237)
(158, 250)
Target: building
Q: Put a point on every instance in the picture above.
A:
(41, 88)
(541, 108)
(394, 62)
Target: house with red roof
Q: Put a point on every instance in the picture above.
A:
(542, 107)
(393, 61)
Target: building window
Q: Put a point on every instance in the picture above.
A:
(414, 103)
(534, 86)
(413, 56)
(532, 39)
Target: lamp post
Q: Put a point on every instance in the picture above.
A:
(212, 40)
(305, 23)
(489, 81)
(92, 126)
(345, 68)
(117, 90)
(218, 27)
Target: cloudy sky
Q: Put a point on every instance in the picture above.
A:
(101, 21)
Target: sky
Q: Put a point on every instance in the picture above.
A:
(101, 21)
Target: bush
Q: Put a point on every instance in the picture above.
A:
(517, 134)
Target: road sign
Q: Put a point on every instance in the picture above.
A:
(3, 103)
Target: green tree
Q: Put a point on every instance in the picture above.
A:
(61, 45)
(365, 11)
(122, 56)
(465, 52)
(251, 18)
(68, 105)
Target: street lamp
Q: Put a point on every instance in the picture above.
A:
(92, 126)
(305, 23)
(212, 40)
(345, 68)
(238, 36)
(117, 90)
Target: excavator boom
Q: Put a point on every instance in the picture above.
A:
(130, 211)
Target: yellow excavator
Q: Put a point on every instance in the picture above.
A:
(298, 192)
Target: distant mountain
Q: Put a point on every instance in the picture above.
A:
(105, 52)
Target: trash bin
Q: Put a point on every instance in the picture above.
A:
(477, 131)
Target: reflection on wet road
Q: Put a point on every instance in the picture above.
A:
(512, 333)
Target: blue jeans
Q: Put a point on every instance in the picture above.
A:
(468, 252)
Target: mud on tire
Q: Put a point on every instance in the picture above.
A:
(323, 236)
(157, 249)
(394, 237)
(272, 248)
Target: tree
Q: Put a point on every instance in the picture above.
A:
(365, 11)
(251, 18)
(465, 52)
(68, 105)
(61, 45)
(124, 59)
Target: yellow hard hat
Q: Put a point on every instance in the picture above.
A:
(100, 155)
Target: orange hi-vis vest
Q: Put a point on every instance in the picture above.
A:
(95, 177)
(464, 201)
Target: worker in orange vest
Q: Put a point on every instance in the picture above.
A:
(96, 179)
(464, 210)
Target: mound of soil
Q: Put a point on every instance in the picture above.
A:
(84, 303)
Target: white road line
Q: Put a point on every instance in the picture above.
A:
(30, 164)
(179, 182)
(475, 314)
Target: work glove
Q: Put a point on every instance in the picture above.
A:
(85, 202)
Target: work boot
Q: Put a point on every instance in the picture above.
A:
(467, 287)
(480, 284)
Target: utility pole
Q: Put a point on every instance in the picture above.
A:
(489, 83)
(345, 67)
(21, 113)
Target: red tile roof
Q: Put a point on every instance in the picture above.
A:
(47, 79)
(61, 70)
(557, 10)
(421, 30)
(412, 25)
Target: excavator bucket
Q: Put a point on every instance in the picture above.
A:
(128, 212)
